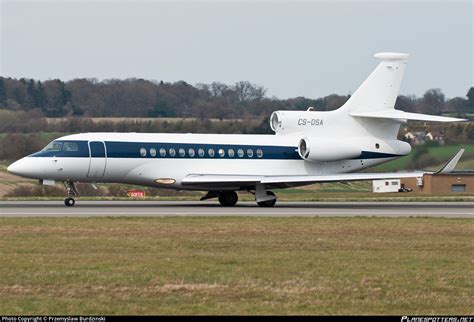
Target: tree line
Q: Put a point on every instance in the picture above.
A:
(144, 98)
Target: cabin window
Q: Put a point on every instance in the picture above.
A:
(162, 152)
(377, 146)
(259, 153)
(153, 152)
(240, 153)
(172, 152)
(143, 152)
(53, 146)
(181, 152)
(70, 147)
(201, 152)
(210, 152)
(191, 153)
(231, 153)
(221, 153)
(250, 153)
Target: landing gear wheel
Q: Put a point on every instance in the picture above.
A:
(71, 192)
(69, 202)
(268, 203)
(228, 198)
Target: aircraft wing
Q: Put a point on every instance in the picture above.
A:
(247, 181)
(203, 180)
(343, 177)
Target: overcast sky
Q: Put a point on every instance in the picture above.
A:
(309, 48)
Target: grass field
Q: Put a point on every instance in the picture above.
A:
(361, 265)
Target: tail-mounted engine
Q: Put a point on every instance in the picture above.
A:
(286, 122)
(319, 150)
(314, 149)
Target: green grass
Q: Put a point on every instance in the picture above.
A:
(81, 266)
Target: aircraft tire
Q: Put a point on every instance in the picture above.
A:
(268, 203)
(228, 198)
(69, 202)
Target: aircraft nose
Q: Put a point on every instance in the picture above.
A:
(15, 167)
(19, 167)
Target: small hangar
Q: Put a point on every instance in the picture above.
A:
(441, 183)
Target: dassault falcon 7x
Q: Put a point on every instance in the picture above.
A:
(307, 147)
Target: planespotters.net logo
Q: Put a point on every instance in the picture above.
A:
(437, 319)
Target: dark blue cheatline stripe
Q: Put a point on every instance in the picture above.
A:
(132, 150)
(376, 155)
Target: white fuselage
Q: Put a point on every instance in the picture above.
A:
(134, 158)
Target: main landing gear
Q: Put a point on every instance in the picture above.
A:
(268, 203)
(228, 198)
(263, 197)
(71, 192)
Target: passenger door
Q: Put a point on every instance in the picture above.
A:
(97, 159)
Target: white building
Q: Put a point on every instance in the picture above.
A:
(381, 186)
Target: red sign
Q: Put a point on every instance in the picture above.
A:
(135, 193)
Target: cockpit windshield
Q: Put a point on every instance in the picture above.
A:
(53, 146)
(61, 146)
(70, 146)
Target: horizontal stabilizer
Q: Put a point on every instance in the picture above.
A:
(403, 116)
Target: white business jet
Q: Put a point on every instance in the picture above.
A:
(307, 147)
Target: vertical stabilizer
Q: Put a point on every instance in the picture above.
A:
(381, 88)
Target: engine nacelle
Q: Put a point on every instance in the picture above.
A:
(286, 122)
(319, 150)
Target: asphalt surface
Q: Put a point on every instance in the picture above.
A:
(211, 208)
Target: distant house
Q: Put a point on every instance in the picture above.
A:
(418, 138)
(436, 136)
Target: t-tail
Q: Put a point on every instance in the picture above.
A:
(367, 124)
(376, 97)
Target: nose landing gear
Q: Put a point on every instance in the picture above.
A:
(69, 202)
(71, 192)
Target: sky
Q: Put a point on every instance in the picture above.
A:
(292, 48)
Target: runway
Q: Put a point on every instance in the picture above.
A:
(243, 209)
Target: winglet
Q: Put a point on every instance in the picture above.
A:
(451, 164)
